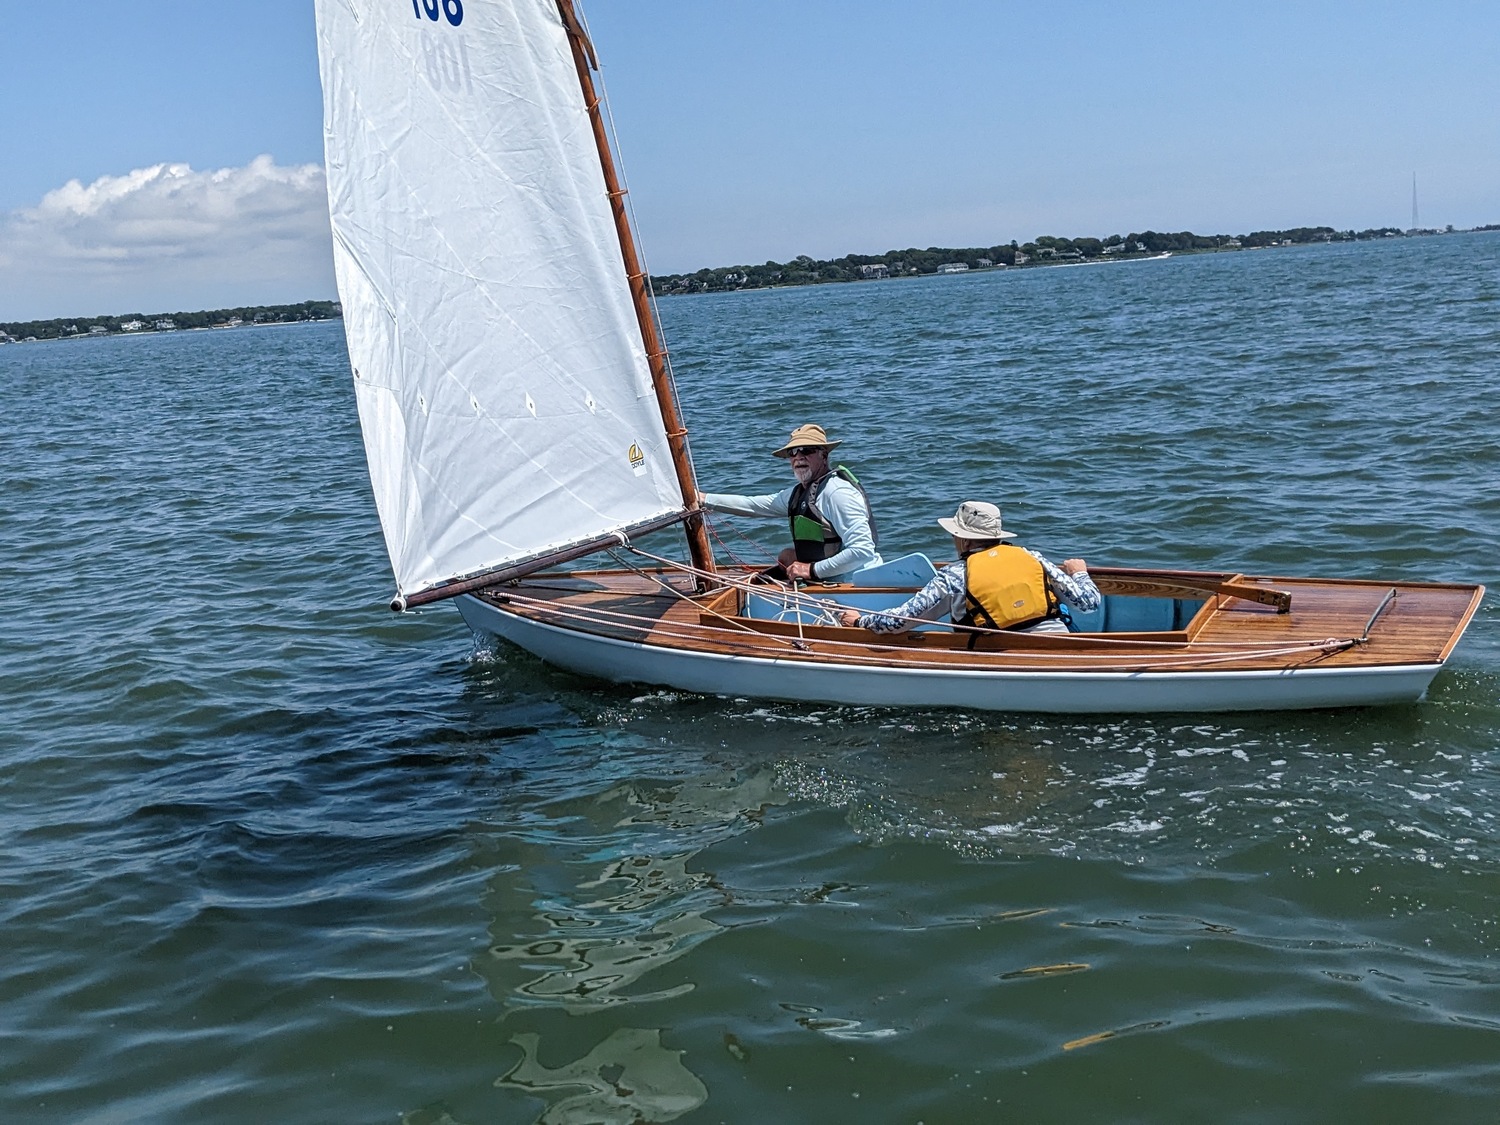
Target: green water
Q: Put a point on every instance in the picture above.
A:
(272, 853)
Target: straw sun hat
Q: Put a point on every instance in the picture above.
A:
(976, 520)
(806, 435)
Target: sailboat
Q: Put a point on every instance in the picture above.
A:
(519, 417)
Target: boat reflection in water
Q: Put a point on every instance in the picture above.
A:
(628, 1077)
(685, 893)
(599, 949)
(601, 937)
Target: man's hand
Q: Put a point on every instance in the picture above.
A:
(1074, 566)
(849, 619)
(799, 571)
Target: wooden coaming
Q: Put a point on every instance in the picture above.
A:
(1419, 626)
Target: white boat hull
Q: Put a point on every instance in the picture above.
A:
(1043, 691)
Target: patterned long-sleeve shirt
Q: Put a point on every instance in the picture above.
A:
(944, 595)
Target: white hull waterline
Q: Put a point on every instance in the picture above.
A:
(1074, 693)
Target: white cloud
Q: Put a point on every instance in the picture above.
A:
(167, 238)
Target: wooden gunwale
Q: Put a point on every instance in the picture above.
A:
(1420, 628)
(1458, 631)
(827, 645)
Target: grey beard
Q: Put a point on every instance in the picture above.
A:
(804, 474)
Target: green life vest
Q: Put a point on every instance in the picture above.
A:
(813, 535)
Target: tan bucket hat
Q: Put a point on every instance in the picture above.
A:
(806, 435)
(976, 520)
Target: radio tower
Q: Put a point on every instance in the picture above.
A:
(1413, 201)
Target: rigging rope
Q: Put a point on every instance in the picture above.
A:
(1137, 662)
(856, 651)
(817, 605)
(713, 531)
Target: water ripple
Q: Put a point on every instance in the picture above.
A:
(269, 850)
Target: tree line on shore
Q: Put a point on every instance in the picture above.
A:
(1047, 249)
(801, 270)
(62, 328)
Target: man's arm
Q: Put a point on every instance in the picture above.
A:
(927, 604)
(1072, 584)
(772, 505)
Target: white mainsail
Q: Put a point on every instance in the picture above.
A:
(503, 388)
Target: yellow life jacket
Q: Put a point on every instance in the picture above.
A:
(1006, 587)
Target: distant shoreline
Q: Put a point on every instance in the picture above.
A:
(141, 324)
(1045, 251)
(800, 271)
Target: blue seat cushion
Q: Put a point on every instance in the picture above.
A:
(1090, 622)
(1139, 615)
(914, 570)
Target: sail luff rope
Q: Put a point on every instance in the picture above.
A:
(640, 252)
(663, 386)
(662, 353)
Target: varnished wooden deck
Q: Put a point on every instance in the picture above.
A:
(1419, 626)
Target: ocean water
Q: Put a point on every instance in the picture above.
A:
(270, 852)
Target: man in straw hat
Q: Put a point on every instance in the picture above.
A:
(833, 530)
(994, 584)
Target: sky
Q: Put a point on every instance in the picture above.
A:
(168, 156)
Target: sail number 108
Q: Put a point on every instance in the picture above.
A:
(453, 10)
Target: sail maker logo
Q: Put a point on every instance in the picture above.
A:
(637, 459)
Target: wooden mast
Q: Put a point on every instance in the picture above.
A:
(656, 356)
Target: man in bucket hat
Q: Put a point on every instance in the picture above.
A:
(833, 531)
(994, 584)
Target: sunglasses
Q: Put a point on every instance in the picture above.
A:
(804, 450)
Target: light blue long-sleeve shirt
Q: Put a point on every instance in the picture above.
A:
(841, 503)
